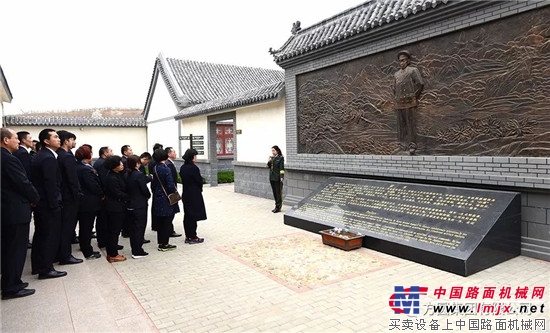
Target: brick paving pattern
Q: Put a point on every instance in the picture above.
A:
(225, 285)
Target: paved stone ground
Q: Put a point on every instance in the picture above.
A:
(243, 278)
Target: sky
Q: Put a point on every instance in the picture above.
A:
(66, 54)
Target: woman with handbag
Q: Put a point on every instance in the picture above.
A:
(163, 188)
(193, 202)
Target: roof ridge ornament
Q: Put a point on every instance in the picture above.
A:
(295, 27)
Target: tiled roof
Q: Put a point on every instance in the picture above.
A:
(264, 93)
(351, 23)
(199, 82)
(80, 118)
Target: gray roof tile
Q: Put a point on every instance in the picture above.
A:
(79, 118)
(201, 81)
(261, 94)
(349, 23)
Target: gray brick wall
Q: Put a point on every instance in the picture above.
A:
(530, 176)
(253, 179)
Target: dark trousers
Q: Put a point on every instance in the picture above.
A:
(114, 225)
(277, 188)
(164, 229)
(153, 219)
(138, 223)
(45, 242)
(406, 127)
(14, 253)
(126, 226)
(101, 228)
(68, 224)
(189, 225)
(86, 225)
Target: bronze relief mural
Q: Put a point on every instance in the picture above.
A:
(480, 91)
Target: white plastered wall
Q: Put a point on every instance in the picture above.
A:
(262, 126)
(198, 126)
(114, 137)
(161, 126)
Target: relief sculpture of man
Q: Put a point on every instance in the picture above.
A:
(408, 85)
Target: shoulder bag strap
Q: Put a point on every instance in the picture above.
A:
(160, 182)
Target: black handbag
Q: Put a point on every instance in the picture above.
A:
(173, 198)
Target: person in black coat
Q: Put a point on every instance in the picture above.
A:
(18, 194)
(170, 164)
(163, 185)
(90, 202)
(136, 183)
(116, 200)
(70, 194)
(193, 202)
(46, 177)
(101, 220)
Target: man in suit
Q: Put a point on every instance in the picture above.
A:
(170, 164)
(25, 150)
(70, 194)
(18, 194)
(47, 214)
(126, 151)
(25, 154)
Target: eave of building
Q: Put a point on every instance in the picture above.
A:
(366, 23)
(248, 98)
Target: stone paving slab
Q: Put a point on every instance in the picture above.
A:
(199, 288)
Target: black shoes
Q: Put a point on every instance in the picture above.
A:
(70, 261)
(140, 255)
(75, 240)
(21, 293)
(51, 274)
(175, 234)
(276, 210)
(166, 247)
(195, 240)
(94, 255)
(146, 241)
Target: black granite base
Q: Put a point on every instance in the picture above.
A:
(459, 230)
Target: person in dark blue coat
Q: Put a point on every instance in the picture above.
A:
(18, 194)
(136, 183)
(163, 185)
(193, 202)
(116, 200)
(90, 202)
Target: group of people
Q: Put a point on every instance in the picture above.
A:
(62, 189)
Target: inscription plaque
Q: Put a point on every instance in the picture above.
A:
(460, 230)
